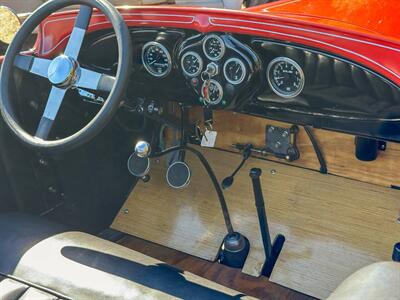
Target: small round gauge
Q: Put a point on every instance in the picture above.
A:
(156, 59)
(214, 47)
(285, 77)
(214, 92)
(191, 63)
(234, 70)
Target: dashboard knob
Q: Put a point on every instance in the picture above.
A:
(212, 69)
(142, 149)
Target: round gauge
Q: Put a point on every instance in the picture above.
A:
(156, 59)
(192, 64)
(234, 70)
(213, 47)
(214, 92)
(285, 77)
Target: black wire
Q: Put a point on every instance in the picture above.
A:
(213, 178)
(323, 168)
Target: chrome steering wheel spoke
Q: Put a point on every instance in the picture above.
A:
(78, 32)
(53, 105)
(95, 81)
(31, 64)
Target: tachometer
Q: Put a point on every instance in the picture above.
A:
(156, 59)
(192, 64)
(213, 93)
(214, 47)
(234, 70)
(285, 77)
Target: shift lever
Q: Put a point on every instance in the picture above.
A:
(271, 250)
(255, 174)
(139, 162)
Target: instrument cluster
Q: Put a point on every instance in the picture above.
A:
(222, 70)
(218, 68)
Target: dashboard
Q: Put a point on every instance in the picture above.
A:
(258, 76)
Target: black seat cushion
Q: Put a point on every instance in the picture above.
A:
(82, 266)
(18, 233)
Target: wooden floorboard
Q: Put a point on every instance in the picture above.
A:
(232, 278)
(333, 226)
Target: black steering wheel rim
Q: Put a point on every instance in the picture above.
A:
(110, 106)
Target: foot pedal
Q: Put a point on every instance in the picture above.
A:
(178, 175)
(138, 166)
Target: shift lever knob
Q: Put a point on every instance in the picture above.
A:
(142, 149)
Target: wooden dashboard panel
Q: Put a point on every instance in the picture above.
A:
(338, 148)
(332, 225)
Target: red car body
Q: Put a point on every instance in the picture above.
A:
(365, 32)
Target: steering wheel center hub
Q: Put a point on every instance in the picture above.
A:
(63, 71)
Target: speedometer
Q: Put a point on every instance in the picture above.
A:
(192, 64)
(214, 47)
(285, 77)
(156, 59)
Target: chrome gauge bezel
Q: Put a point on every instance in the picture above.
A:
(242, 65)
(200, 63)
(220, 89)
(165, 50)
(223, 48)
(272, 85)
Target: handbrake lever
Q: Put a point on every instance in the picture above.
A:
(228, 181)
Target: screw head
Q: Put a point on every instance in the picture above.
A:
(42, 162)
(273, 172)
(126, 211)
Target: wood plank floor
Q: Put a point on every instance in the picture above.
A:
(232, 278)
(333, 226)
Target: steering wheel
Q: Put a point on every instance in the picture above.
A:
(64, 72)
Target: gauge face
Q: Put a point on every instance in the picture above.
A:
(192, 64)
(156, 59)
(214, 92)
(285, 77)
(213, 47)
(234, 71)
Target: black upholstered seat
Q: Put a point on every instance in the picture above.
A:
(45, 259)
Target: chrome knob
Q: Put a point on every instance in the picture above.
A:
(212, 69)
(142, 149)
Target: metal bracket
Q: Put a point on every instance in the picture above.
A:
(281, 142)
